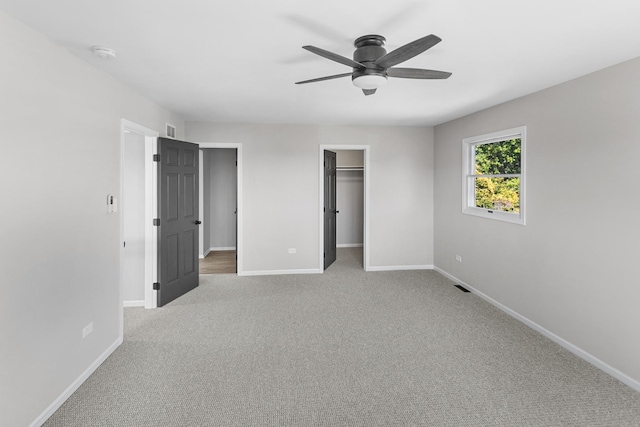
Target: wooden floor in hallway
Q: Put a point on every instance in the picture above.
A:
(218, 262)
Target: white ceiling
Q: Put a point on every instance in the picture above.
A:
(237, 61)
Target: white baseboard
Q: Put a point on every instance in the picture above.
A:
(399, 267)
(278, 272)
(620, 376)
(139, 303)
(75, 385)
(349, 245)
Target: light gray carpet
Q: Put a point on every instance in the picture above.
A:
(346, 348)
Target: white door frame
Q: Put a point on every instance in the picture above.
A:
(150, 209)
(240, 211)
(365, 243)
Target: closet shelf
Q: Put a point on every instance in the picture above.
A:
(350, 168)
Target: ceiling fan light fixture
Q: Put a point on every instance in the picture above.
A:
(370, 81)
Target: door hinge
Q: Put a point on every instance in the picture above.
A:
(156, 157)
(156, 286)
(236, 163)
(156, 222)
(324, 255)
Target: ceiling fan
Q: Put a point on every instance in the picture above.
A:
(372, 64)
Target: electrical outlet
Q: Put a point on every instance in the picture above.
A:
(87, 330)
(292, 250)
(458, 258)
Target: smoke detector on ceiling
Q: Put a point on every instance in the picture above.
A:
(103, 52)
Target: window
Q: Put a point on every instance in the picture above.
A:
(493, 175)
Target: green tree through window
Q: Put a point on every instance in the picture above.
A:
(495, 186)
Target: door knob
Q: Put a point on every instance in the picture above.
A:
(198, 222)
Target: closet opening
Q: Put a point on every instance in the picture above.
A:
(350, 204)
(351, 180)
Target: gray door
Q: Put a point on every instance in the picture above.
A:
(329, 208)
(178, 219)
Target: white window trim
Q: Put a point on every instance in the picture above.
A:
(468, 197)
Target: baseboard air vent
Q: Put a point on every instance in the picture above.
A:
(463, 289)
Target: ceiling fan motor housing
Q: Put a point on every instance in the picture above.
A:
(369, 48)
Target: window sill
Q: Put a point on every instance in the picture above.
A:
(495, 215)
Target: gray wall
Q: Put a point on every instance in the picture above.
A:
(61, 145)
(350, 198)
(281, 167)
(222, 202)
(347, 158)
(573, 268)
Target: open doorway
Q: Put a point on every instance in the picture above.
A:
(137, 210)
(219, 177)
(133, 218)
(351, 203)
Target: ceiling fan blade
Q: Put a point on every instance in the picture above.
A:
(334, 57)
(408, 51)
(368, 91)
(320, 79)
(417, 73)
